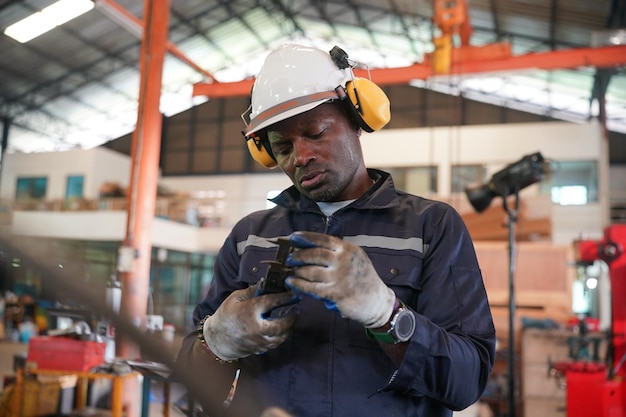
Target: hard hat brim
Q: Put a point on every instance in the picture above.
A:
(279, 113)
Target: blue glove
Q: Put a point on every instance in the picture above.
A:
(340, 274)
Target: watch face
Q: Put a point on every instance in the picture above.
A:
(404, 325)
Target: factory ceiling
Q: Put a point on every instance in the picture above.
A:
(77, 85)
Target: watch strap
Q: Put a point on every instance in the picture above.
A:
(387, 336)
(383, 337)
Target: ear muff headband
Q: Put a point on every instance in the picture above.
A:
(368, 103)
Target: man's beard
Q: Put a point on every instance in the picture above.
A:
(323, 195)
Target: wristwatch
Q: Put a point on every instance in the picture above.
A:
(401, 326)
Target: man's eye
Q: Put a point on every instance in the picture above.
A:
(281, 150)
(316, 133)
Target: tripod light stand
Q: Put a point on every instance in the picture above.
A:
(509, 181)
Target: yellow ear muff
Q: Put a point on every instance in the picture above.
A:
(259, 153)
(370, 102)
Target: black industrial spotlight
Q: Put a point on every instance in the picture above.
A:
(510, 180)
(528, 170)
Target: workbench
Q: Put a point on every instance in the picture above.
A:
(82, 382)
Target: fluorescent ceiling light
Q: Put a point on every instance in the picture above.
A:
(47, 19)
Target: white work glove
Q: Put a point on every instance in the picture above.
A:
(342, 275)
(240, 327)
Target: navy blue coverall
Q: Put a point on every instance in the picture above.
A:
(329, 367)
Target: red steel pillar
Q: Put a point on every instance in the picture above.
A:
(146, 143)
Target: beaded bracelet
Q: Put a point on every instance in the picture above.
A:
(200, 334)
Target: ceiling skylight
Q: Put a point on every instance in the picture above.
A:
(47, 19)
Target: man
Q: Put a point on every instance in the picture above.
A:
(387, 313)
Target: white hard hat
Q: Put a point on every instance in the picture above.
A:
(293, 80)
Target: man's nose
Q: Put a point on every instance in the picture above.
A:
(303, 153)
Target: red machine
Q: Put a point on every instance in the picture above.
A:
(599, 389)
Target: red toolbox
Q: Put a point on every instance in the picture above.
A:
(64, 353)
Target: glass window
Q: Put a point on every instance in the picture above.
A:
(178, 282)
(74, 186)
(572, 183)
(415, 180)
(464, 175)
(29, 188)
(168, 290)
(569, 195)
(199, 283)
